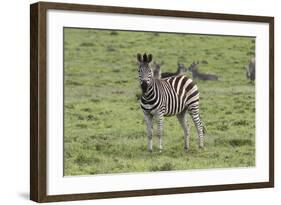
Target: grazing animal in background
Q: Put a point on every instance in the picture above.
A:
(251, 69)
(157, 71)
(169, 96)
(193, 68)
(180, 71)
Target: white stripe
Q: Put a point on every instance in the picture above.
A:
(173, 83)
(179, 83)
(184, 87)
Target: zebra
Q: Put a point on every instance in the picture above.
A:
(170, 96)
(193, 68)
(157, 71)
(251, 69)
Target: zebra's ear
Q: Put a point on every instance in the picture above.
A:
(149, 58)
(139, 57)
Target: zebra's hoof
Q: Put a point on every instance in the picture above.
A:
(160, 150)
(186, 150)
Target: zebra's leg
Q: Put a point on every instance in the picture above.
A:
(183, 122)
(160, 119)
(148, 120)
(194, 112)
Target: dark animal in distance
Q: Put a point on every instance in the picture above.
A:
(176, 95)
(158, 74)
(193, 68)
(251, 69)
(181, 70)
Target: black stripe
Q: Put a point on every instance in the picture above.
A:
(192, 95)
(182, 84)
(190, 86)
(177, 82)
(192, 103)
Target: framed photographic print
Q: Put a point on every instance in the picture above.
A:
(134, 102)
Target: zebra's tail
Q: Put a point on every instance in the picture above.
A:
(204, 129)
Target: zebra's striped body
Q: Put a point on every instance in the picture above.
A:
(170, 96)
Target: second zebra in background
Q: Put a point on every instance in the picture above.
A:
(193, 68)
(251, 69)
(158, 74)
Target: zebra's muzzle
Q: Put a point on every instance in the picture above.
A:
(144, 86)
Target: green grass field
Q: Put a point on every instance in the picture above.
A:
(104, 130)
